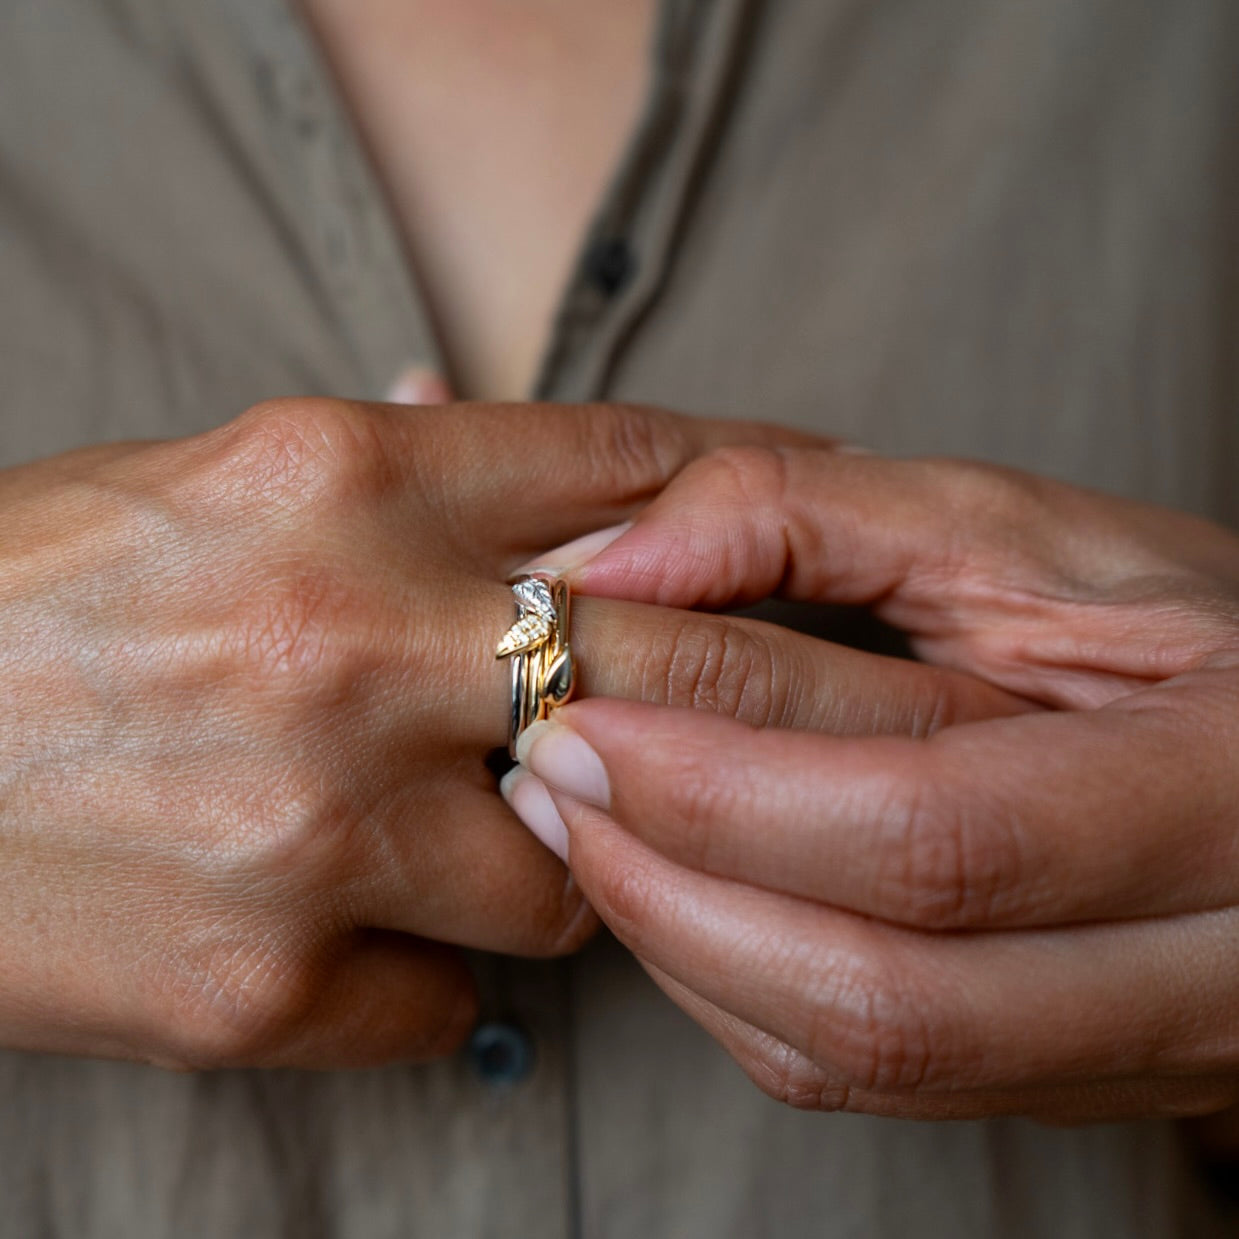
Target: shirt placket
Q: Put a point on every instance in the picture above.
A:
(628, 251)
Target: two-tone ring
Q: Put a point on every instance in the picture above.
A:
(543, 674)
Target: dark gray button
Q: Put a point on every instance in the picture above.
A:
(609, 264)
(502, 1053)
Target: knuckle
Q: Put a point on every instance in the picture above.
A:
(869, 1030)
(752, 483)
(299, 453)
(237, 1008)
(933, 707)
(752, 475)
(640, 449)
(718, 665)
(947, 862)
(791, 1079)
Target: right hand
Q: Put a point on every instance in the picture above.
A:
(247, 681)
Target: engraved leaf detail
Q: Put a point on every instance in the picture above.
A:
(535, 595)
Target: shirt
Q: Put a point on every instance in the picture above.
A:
(1004, 231)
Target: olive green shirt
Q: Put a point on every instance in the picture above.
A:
(997, 228)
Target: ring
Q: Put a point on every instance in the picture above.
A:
(543, 674)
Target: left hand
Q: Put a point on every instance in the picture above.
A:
(1035, 914)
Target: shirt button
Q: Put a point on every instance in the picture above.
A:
(501, 1053)
(609, 264)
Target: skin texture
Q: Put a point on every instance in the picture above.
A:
(492, 180)
(1036, 914)
(247, 684)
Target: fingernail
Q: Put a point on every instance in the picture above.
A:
(576, 554)
(854, 449)
(528, 798)
(561, 758)
(419, 385)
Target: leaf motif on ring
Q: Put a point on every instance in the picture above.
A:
(527, 633)
(534, 594)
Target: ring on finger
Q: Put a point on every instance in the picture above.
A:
(543, 673)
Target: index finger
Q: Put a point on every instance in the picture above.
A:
(992, 571)
(1036, 819)
(540, 473)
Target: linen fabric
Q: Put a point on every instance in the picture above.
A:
(1005, 231)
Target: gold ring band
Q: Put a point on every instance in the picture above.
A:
(543, 674)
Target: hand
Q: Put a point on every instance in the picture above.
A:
(1035, 914)
(247, 682)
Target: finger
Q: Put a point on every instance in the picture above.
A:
(452, 863)
(538, 474)
(757, 672)
(501, 481)
(790, 1077)
(766, 675)
(386, 999)
(945, 550)
(1041, 819)
(885, 1009)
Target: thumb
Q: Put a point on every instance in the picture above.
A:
(1047, 589)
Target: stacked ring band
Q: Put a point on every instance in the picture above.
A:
(543, 675)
